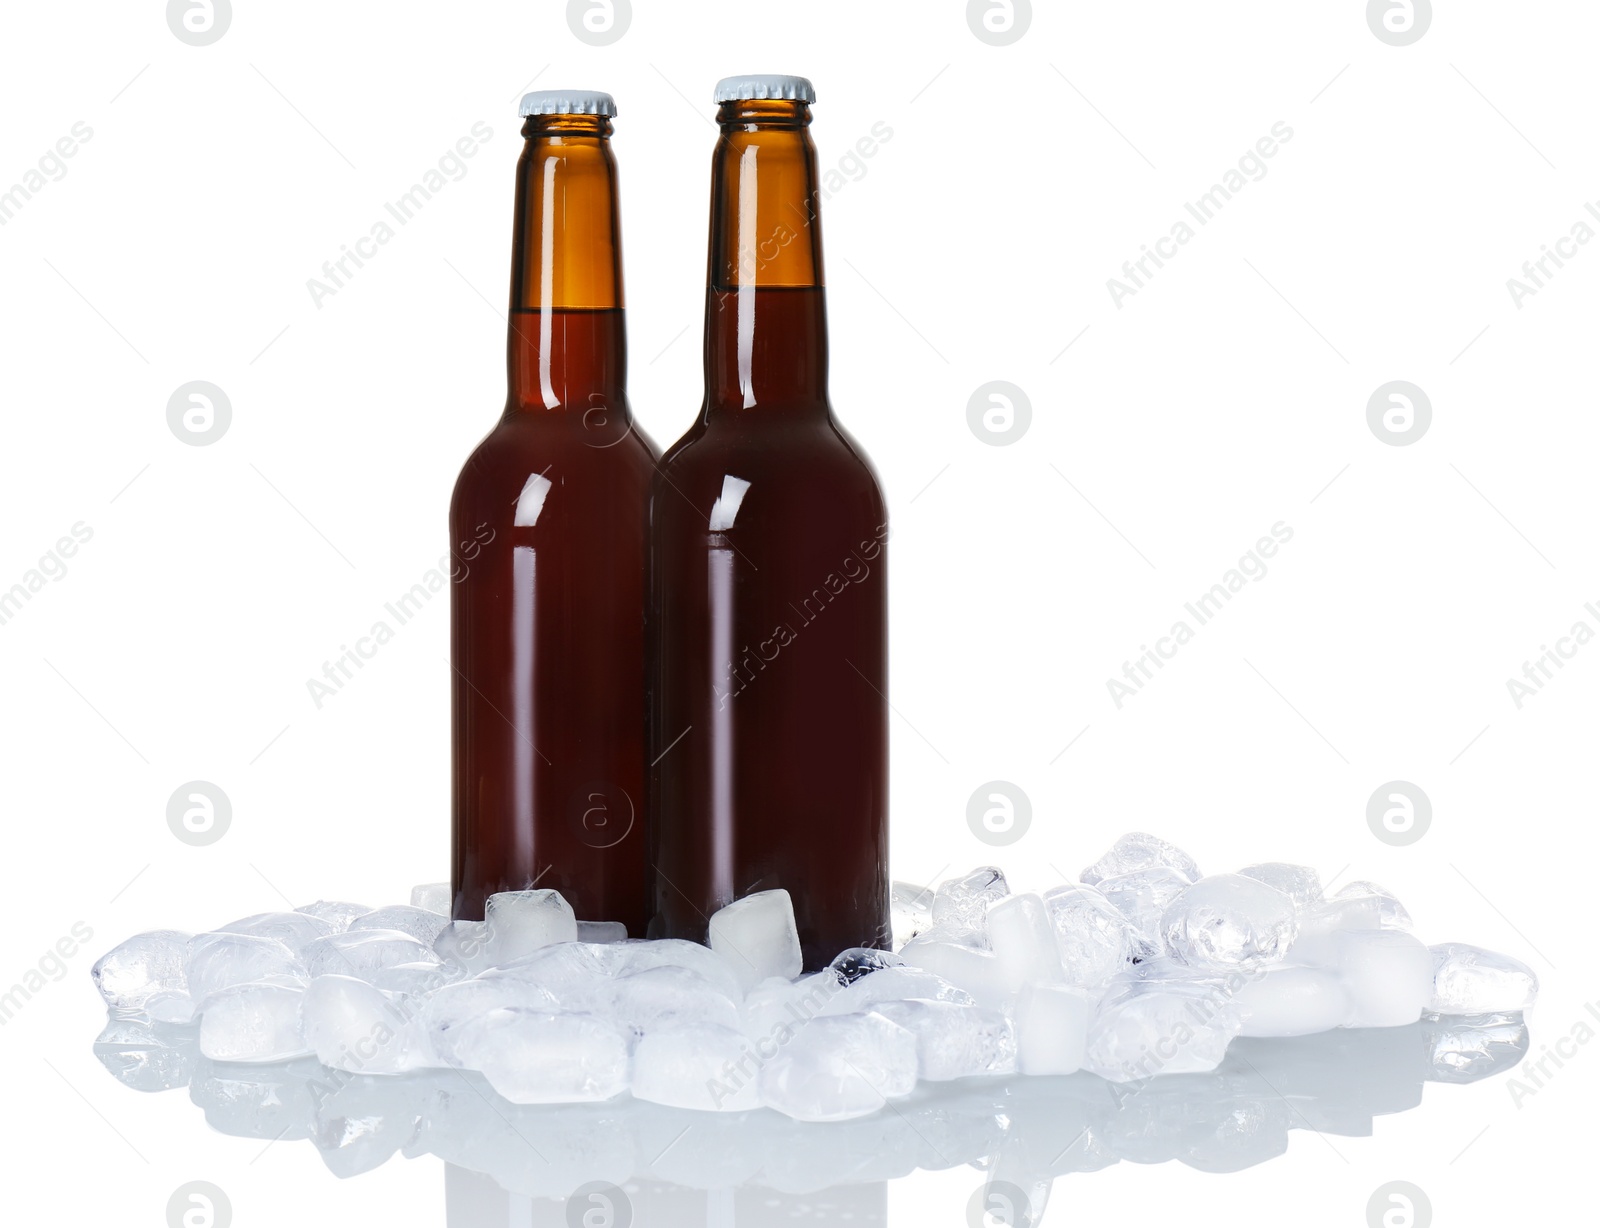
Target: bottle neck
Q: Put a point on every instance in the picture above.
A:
(566, 348)
(766, 321)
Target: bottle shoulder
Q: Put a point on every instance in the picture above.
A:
(618, 459)
(816, 447)
(593, 437)
(807, 468)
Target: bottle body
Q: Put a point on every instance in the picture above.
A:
(548, 670)
(769, 598)
(548, 527)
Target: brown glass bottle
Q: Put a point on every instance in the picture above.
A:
(769, 731)
(548, 530)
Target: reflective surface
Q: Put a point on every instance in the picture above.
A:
(508, 1164)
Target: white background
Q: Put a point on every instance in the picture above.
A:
(1227, 395)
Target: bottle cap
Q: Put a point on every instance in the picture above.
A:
(567, 102)
(764, 85)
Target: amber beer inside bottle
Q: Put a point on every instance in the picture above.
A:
(769, 715)
(548, 532)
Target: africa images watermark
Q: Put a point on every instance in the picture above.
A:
(1251, 567)
(1194, 1026)
(47, 969)
(1535, 1073)
(450, 168)
(399, 1017)
(744, 667)
(1251, 168)
(336, 674)
(50, 168)
(745, 265)
(735, 1075)
(52, 566)
(1539, 671)
(1536, 274)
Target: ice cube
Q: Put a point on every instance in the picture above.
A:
(840, 1067)
(220, 961)
(444, 1013)
(1171, 968)
(1023, 940)
(1300, 883)
(602, 932)
(520, 922)
(170, 1008)
(757, 935)
(625, 957)
(146, 966)
(858, 962)
(657, 998)
(697, 1066)
(1142, 896)
(910, 911)
(777, 1006)
(364, 953)
(1387, 974)
(534, 1058)
(960, 904)
(1469, 980)
(354, 1026)
(1291, 1001)
(1094, 938)
(565, 969)
(338, 913)
(1228, 921)
(253, 1023)
(435, 897)
(464, 945)
(412, 980)
(1140, 851)
(1336, 916)
(1392, 914)
(894, 985)
(955, 1041)
(419, 923)
(1052, 1029)
(966, 966)
(1161, 1027)
(294, 929)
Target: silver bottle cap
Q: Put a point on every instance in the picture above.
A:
(567, 102)
(764, 85)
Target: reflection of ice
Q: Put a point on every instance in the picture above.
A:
(149, 1058)
(1466, 1050)
(473, 1200)
(1021, 1131)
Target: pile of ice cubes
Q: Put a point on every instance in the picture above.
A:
(1143, 967)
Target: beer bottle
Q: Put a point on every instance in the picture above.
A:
(769, 725)
(548, 532)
